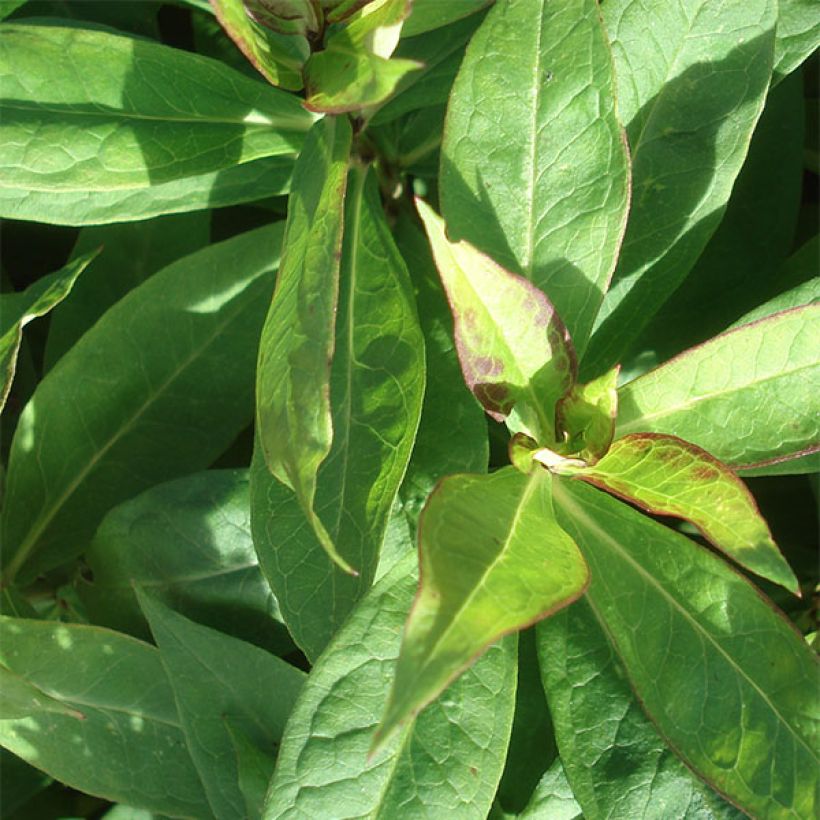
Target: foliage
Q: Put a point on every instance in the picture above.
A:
(532, 285)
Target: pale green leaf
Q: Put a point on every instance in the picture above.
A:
(17, 309)
(129, 717)
(293, 410)
(492, 561)
(798, 35)
(684, 624)
(376, 390)
(447, 763)
(692, 77)
(534, 163)
(154, 115)
(553, 798)
(515, 353)
(748, 396)
(158, 388)
(217, 681)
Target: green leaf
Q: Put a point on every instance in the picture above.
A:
(447, 764)
(154, 115)
(745, 396)
(427, 15)
(376, 392)
(293, 409)
(18, 309)
(158, 388)
(553, 798)
(254, 767)
(19, 698)
(8, 7)
(585, 416)
(515, 353)
(19, 782)
(130, 254)
(452, 435)
(232, 186)
(492, 561)
(683, 622)
(668, 476)
(129, 717)
(692, 77)
(188, 543)
(534, 168)
(798, 32)
(217, 679)
(278, 59)
(297, 18)
(618, 764)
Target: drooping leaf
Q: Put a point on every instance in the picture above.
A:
(748, 396)
(798, 34)
(232, 186)
(668, 476)
(515, 353)
(534, 168)
(156, 113)
(617, 763)
(699, 643)
(129, 719)
(692, 77)
(492, 561)
(586, 416)
(376, 392)
(18, 309)
(427, 15)
(293, 410)
(278, 59)
(158, 388)
(188, 544)
(553, 798)
(130, 254)
(219, 681)
(447, 763)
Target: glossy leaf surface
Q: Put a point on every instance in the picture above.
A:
(154, 115)
(692, 78)
(448, 762)
(220, 682)
(534, 163)
(129, 718)
(492, 561)
(297, 345)
(747, 396)
(376, 392)
(668, 476)
(163, 380)
(188, 544)
(623, 768)
(698, 641)
(18, 309)
(515, 353)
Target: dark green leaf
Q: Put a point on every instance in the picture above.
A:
(447, 764)
(19, 782)
(427, 15)
(553, 798)
(534, 163)
(220, 681)
(8, 7)
(158, 388)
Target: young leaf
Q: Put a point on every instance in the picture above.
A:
(747, 396)
(666, 475)
(130, 254)
(154, 115)
(232, 186)
(129, 719)
(158, 388)
(535, 171)
(586, 416)
(622, 767)
(278, 59)
(376, 390)
(447, 764)
(514, 350)
(683, 622)
(18, 309)
(798, 29)
(492, 561)
(187, 543)
(217, 679)
(692, 77)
